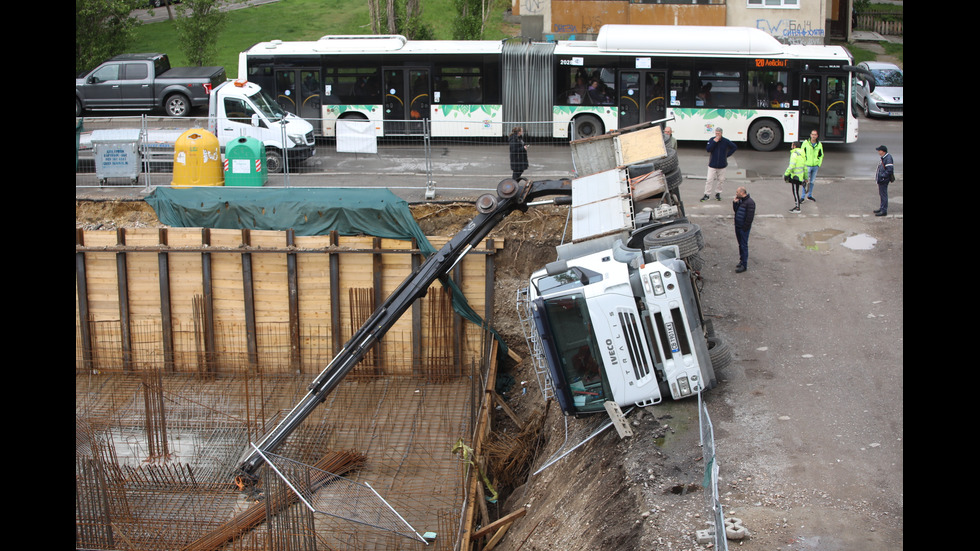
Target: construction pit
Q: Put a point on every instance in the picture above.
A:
(407, 453)
(793, 483)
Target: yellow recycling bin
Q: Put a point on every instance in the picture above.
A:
(197, 160)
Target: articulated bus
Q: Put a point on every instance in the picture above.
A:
(740, 79)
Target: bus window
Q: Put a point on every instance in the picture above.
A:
(459, 85)
(770, 89)
(352, 86)
(682, 91)
(719, 89)
(585, 85)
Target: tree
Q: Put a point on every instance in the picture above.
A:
(103, 28)
(399, 17)
(199, 22)
(472, 18)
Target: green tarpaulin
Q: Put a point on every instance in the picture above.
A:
(307, 211)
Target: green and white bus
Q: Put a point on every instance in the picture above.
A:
(741, 79)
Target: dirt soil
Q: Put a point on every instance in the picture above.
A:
(645, 492)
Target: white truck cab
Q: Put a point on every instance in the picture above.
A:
(633, 311)
(240, 108)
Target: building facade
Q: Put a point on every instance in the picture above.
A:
(789, 21)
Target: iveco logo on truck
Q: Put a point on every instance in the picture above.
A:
(612, 351)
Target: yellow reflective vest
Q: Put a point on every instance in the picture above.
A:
(797, 164)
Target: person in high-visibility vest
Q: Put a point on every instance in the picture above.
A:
(796, 173)
(813, 152)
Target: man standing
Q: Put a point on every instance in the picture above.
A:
(744, 208)
(669, 140)
(884, 176)
(719, 150)
(813, 153)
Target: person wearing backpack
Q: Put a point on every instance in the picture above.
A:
(884, 175)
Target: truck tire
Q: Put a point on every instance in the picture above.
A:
(674, 179)
(78, 108)
(668, 163)
(719, 352)
(685, 235)
(273, 161)
(177, 105)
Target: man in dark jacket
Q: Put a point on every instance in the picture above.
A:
(744, 208)
(884, 175)
(518, 152)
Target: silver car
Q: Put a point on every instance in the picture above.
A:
(886, 100)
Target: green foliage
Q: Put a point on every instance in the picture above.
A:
(301, 20)
(103, 28)
(896, 50)
(199, 23)
(469, 21)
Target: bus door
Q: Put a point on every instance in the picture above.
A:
(298, 91)
(407, 102)
(641, 97)
(823, 107)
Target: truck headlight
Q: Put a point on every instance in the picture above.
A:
(656, 280)
(298, 139)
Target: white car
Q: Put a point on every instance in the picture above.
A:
(886, 100)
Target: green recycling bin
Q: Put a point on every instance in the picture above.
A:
(245, 163)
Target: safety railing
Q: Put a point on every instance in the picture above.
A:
(444, 156)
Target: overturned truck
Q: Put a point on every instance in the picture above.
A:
(618, 318)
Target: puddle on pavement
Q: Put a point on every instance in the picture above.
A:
(860, 242)
(820, 240)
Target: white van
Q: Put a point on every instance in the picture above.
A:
(241, 108)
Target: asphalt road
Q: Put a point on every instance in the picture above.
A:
(466, 170)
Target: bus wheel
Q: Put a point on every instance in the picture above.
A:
(765, 135)
(587, 126)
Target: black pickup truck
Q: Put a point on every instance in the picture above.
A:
(145, 82)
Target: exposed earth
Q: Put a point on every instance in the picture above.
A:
(808, 418)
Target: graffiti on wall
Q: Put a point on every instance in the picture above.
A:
(532, 7)
(792, 31)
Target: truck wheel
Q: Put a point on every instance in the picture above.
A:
(177, 105)
(667, 164)
(78, 108)
(685, 235)
(273, 161)
(719, 352)
(674, 179)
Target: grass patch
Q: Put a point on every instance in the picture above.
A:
(299, 20)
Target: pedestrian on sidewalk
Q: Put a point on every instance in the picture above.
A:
(744, 207)
(795, 174)
(719, 150)
(518, 152)
(884, 175)
(813, 151)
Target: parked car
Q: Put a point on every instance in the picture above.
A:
(886, 99)
(145, 82)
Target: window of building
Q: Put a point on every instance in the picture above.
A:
(794, 4)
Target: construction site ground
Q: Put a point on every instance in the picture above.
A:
(808, 418)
